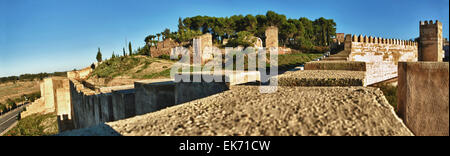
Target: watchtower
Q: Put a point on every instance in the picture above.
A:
(430, 48)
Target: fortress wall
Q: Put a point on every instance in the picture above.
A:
(423, 101)
(382, 55)
(92, 107)
(376, 49)
(163, 48)
(123, 104)
(152, 96)
(49, 95)
(80, 74)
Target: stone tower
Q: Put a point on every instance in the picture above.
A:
(348, 43)
(272, 37)
(430, 48)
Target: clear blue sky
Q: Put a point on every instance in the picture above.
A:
(59, 35)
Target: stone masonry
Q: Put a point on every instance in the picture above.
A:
(431, 42)
(423, 97)
(272, 37)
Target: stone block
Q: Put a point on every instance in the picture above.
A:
(123, 102)
(423, 97)
(153, 96)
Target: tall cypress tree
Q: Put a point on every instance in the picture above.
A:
(130, 49)
(99, 56)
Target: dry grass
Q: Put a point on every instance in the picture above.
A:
(15, 90)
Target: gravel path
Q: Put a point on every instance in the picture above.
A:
(290, 111)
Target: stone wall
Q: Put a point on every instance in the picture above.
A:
(163, 48)
(340, 37)
(200, 43)
(380, 54)
(423, 97)
(80, 74)
(272, 37)
(91, 107)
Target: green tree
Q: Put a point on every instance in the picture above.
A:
(2, 108)
(130, 49)
(99, 56)
(124, 53)
(158, 36)
(166, 34)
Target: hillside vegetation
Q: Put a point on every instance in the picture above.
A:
(35, 125)
(130, 68)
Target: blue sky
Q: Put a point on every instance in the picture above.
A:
(59, 35)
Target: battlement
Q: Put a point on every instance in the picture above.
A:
(379, 40)
(431, 41)
(430, 23)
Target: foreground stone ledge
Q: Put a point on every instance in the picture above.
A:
(336, 65)
(291, 111)
(230, 77)
(322, 78)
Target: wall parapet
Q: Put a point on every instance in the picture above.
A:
(380, 40)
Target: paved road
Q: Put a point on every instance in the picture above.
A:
(9, 118)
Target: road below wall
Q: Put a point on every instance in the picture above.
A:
(9, 119)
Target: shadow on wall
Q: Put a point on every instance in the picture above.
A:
(98, 130)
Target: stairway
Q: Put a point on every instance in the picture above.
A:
(341, 56)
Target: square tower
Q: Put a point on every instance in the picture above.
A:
(272, 37)
(430, 48)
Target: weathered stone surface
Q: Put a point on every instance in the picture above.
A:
(290, 111)
(231, 77)
(335, 58)
(152, 96)
(336, 65)
(272, 37)
(423, 97)
(163, 48)
(81, 74)
(123, 102)
(49, 94)
(322, 78)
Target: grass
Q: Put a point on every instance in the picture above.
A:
(291, 60)
(35, 125)
(123, 66)
(390, 92)
(119, 66)
(162, 74)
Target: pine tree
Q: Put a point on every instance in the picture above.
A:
(124, 53)
(99, 56)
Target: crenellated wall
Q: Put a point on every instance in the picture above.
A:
(381, 55)
(376, 49)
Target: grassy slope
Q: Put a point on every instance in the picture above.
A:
(35, 125)
(137, 67)
(123, 66)
(292, 60)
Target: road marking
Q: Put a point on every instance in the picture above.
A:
(7, 120)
